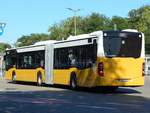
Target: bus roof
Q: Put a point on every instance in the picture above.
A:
(78, 37)
(28, 48)
(83, 36)
(41, 45)
(45, 42)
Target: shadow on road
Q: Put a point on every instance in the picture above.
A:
(68, 101)
(120, 90)
(83, 100)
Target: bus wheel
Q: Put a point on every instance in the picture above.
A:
(73, 81)
(14, 77)
(39, 79)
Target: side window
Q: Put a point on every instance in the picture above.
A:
(40, 59)
(56, 58)
(91, 54)
(31, 61)
(64, 58)
(86, 55)
(72, 57)
(61, 60)
(20, 61)
(10, 59)
(80, 57)
(26, 61)
(10, 62)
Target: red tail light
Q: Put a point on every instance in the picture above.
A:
(143, 69)
(101, 69)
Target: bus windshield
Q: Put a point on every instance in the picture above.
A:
(122, 44)
(10, 59)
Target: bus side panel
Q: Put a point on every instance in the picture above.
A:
(29, 75)
(8, 74)
(61, 76)
(122, 72)
(87, 77)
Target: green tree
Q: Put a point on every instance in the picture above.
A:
(140, 19)
(65, 28)
(4, 46)
(137, 19)
(31, 39)
(84, 25)
(96, 22)
(120, 22)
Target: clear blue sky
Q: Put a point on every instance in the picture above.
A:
(24, 17)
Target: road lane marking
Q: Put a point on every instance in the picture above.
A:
(124, 104)
(2, 90)
(97, 107)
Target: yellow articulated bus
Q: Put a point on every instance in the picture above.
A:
(103, 58)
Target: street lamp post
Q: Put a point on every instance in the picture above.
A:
(75, 18)
(2, 26)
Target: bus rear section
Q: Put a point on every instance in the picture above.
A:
(121, 71)
(113, 59)
(123, 61)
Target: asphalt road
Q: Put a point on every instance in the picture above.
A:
(29, 98)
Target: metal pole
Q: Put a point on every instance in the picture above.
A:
(115, 27)
(2, 26)
(75, 19)
(75, 23)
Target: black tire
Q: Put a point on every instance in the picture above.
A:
(73, 81)
(14, 77)
(39, 79)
